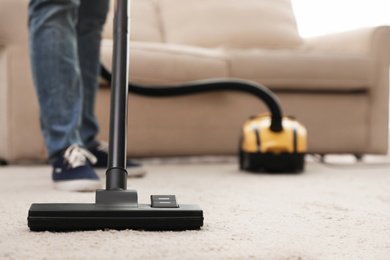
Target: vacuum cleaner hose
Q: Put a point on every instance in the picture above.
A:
(258, 90)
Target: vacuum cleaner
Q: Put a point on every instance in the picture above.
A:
(116, 207)
(264, 149)
(269, 142)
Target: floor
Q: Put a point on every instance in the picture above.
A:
(338, 210)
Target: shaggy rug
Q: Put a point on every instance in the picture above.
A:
(328, 212)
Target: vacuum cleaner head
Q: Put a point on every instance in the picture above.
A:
(164, 213)
(264, 150)
(82, 216)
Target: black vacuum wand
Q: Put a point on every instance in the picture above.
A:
(116, 207)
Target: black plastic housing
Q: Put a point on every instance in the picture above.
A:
(81, 216)
(272, 163)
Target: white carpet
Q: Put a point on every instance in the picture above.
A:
(324, 213)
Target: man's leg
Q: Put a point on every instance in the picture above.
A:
(56, 73)
(92, 16)
(57, 78)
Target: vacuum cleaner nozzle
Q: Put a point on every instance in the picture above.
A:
(106, 215)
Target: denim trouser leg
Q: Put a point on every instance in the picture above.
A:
(60, 69)
(92, 16)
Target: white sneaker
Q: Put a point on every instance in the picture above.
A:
(72, 171)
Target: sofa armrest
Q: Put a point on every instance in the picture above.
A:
(19, 106)
(3, 104)
(373, 40)
(13, 21)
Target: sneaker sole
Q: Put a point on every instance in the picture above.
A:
(78, 185)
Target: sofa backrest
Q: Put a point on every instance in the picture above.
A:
(230, 23)
(214, 23)
(145, 25)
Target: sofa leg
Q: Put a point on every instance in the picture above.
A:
(359, 157)
(3, 162)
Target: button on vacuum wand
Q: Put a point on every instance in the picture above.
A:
(164, 201)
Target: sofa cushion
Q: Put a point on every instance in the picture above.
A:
(144, 24)
(162, 64)
(304, 69)
(234, 23)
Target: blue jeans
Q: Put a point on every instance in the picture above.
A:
(64, 39)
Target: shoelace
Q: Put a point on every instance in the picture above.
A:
(76, 156)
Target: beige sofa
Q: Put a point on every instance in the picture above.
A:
(337, 85)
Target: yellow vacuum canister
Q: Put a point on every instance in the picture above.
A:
(265, 150)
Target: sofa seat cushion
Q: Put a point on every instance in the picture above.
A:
(304, 69)
(162, 64)
(233, 23)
